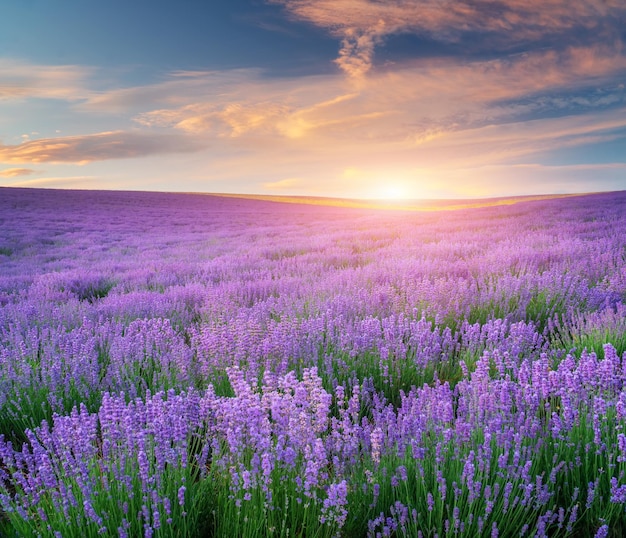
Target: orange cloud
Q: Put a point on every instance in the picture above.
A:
(15, 172)
(96, 147)
(318, 113)
(231, 119)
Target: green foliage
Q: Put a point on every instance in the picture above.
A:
(591, 331)
(28, 406)
(544, 306)
(118, 499)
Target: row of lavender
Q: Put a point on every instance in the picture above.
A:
(230, 367)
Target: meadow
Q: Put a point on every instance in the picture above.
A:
(177, 365)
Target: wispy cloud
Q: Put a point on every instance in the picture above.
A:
(176, 89)
(16, 172)
(288, 184)
(96, 147)
(63, 182)
(230, 119)
(22, 80)
(361, 25)
(279, 118)
(503, 180)
(506, 143)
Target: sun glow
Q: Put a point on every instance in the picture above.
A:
(392, 190)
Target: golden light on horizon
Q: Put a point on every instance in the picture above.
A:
(394, 190)
(377, 184)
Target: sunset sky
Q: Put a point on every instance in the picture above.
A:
(351, 98)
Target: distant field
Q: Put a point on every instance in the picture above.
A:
(185, 365)
(402, 205)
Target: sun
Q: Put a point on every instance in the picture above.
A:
(392, 190)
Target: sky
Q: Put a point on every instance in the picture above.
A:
(338, 98)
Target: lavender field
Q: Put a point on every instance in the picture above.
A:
(185, 365)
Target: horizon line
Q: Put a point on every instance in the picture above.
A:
(398, 204)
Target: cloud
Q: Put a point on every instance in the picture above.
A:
(15, 172)
(96, 147)
(413, 103)
(21, 80)
(284, 184)
(176, 89)
(508, 143)
(361, 25)
(231, 119)
(275, 118)
(506, 180)
(66, 182)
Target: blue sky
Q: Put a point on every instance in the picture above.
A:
(357, 98)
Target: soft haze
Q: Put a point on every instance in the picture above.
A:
(356, 98)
